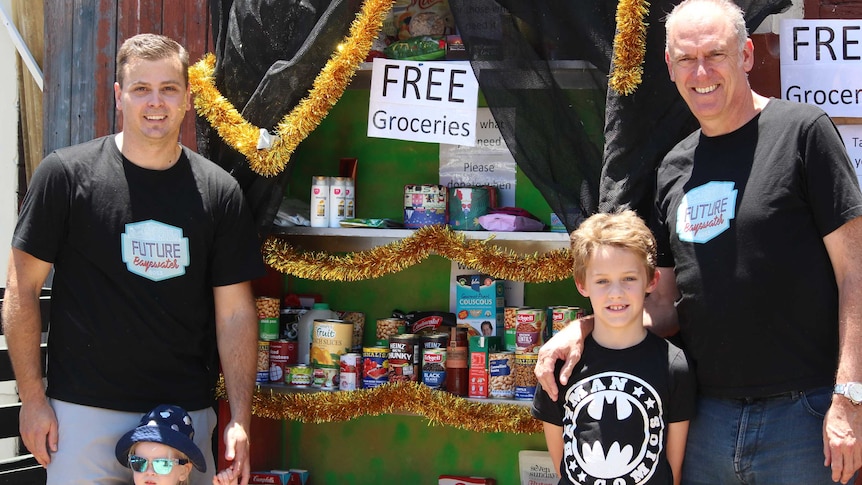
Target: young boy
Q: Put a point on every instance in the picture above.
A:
(161, 450)
(624, 413)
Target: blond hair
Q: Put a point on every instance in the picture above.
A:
(623, 229)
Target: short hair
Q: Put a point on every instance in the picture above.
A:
(622, 229)
(731, 12)
(150, 47)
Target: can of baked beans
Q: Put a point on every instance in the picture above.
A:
(262, 362)
(525, 377)
(348, 373)
(402, 358)
(375, 366)
(282, 353)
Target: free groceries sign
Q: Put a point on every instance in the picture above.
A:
(821, 64)
(423, 101)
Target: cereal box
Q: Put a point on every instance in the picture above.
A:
(479, 303)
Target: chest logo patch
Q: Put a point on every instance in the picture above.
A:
(155, 250)
(705, 212)
(613, 430)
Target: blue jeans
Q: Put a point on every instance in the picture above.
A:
(775, 440)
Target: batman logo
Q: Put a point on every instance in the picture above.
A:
(613, 430)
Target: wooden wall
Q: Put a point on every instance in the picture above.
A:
(80, 59)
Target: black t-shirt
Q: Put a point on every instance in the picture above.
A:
(136, 255)
(615, 409)
(741, 218)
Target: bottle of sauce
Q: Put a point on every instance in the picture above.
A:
(456, 362)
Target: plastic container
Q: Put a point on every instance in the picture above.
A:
(320, 311)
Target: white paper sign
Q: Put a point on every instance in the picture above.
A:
(488, 162)
(423, 101)
(821, 64)
(852, 135)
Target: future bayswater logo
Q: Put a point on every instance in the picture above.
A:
(155, 250)
(613, 430)
(706, 211)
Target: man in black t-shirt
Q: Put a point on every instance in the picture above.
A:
(757, 214)
(153, 249)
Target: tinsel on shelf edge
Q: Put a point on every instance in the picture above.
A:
(396, 256)
(438, 407)
(328, 87)
(629, 46)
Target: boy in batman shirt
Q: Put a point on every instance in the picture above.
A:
(623, 416)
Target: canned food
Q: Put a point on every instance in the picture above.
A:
(525, 378)
(387, 327)
(325, 378)
(560, 317)
(299, 375)
(402, 358)
(268, 317)
(434, 368)
(262, 362)
(501, 370)
(375, 366)
(528, 333)
(282, 353)
(348, 373)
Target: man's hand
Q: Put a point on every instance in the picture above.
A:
(39, 430)
(237, 451)
(842, 438)
(566, 345)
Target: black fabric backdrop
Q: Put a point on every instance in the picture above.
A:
(269, 52)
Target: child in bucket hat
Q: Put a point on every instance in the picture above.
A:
(161, 448)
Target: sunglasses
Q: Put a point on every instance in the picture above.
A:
(161, 466)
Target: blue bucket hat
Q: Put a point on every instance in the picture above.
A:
(166, 424)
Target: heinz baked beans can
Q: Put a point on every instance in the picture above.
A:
(262, 362)
(349, 378)
(282, 354)
(375, 366)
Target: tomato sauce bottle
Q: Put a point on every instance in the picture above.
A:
(456, 362)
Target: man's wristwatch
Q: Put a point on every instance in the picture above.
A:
(851, 390)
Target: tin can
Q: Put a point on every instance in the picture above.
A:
(510, 324)
(262, 361)
(501, 367)
(329, 340)
(319, 216)
(299, 375)
(387, 327)
(559, 317)
(528, 333)
(282, 354)
(337, 200)
(268, 317)
(349, 378)
(324, 378)
(525, 378)
(425, 205)
(375, 366)
(402, 358)
(434, 368)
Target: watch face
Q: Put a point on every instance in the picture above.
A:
(854, 391)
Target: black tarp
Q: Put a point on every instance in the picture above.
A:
(269, 52)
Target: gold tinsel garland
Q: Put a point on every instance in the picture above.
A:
(629, 46)
(327, 89)
(439, 407)
(396, 256)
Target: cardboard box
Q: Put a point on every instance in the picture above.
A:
(479, 365)
(479, 301)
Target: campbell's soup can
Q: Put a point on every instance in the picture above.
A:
(403, 350)
(349, 378)
(375, 366)
(434, 368)
(262, 361)
(282, 354)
